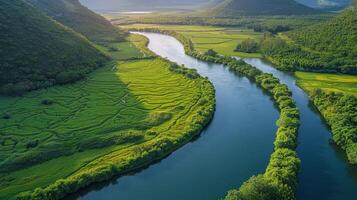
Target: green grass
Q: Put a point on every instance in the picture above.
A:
(222, 40)
(116, 107)
(134, 47)
(328, 82)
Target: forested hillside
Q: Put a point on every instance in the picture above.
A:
(234, 8)
(330, 46)
(325, 3)
(38, 52)
(72, 14)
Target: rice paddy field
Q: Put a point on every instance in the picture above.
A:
(328, 82)
(74, 129)
(222, 40)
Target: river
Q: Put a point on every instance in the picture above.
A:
(324, 172)
(236, 145)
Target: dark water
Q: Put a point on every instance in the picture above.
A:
(324, 172)
(236, 145)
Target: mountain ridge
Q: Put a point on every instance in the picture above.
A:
(234, 8)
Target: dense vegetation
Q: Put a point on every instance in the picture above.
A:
(335, 96)
(340, 112)
(72, 14)
(38, 52)
(280, 179)
(325, 47)
(234, 8)
(248, 46)
(104, 125)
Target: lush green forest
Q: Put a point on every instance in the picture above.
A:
(38, 52)
(340, 112)
(234, 8)
(72, 14)
(326, 47)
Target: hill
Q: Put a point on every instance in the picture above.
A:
(73, 14)
(235, 8)
(38, 52)
(323, 4)
(328, 47)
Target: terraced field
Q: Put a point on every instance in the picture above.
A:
(222, 40)
(328, 82)
(99, 122)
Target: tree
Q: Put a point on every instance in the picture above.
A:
(248, 46)
(211, 52)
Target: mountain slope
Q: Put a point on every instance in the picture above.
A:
(233, 8)
(73, 14)
(338, 34)
(329, 47)
(38, 52)
(325, 3)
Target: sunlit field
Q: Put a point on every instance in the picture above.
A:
(222, 40)
(328, 82)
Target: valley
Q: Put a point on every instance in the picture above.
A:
(221, 99)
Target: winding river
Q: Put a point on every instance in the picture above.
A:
(236, 145)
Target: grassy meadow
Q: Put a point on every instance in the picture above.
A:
(222, 40)
(79, 128)
(328, 82)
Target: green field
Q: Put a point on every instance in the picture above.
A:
(222, 40)
(79, 128)
(328, 82)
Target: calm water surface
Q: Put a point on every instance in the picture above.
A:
(236, 145)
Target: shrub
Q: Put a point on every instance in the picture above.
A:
(211, 52)
(69, 77)
(113, 49)
(6, 116)
(15, 89)
(47, 102)
(256, 188)
(248, 46)
(32, 144)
